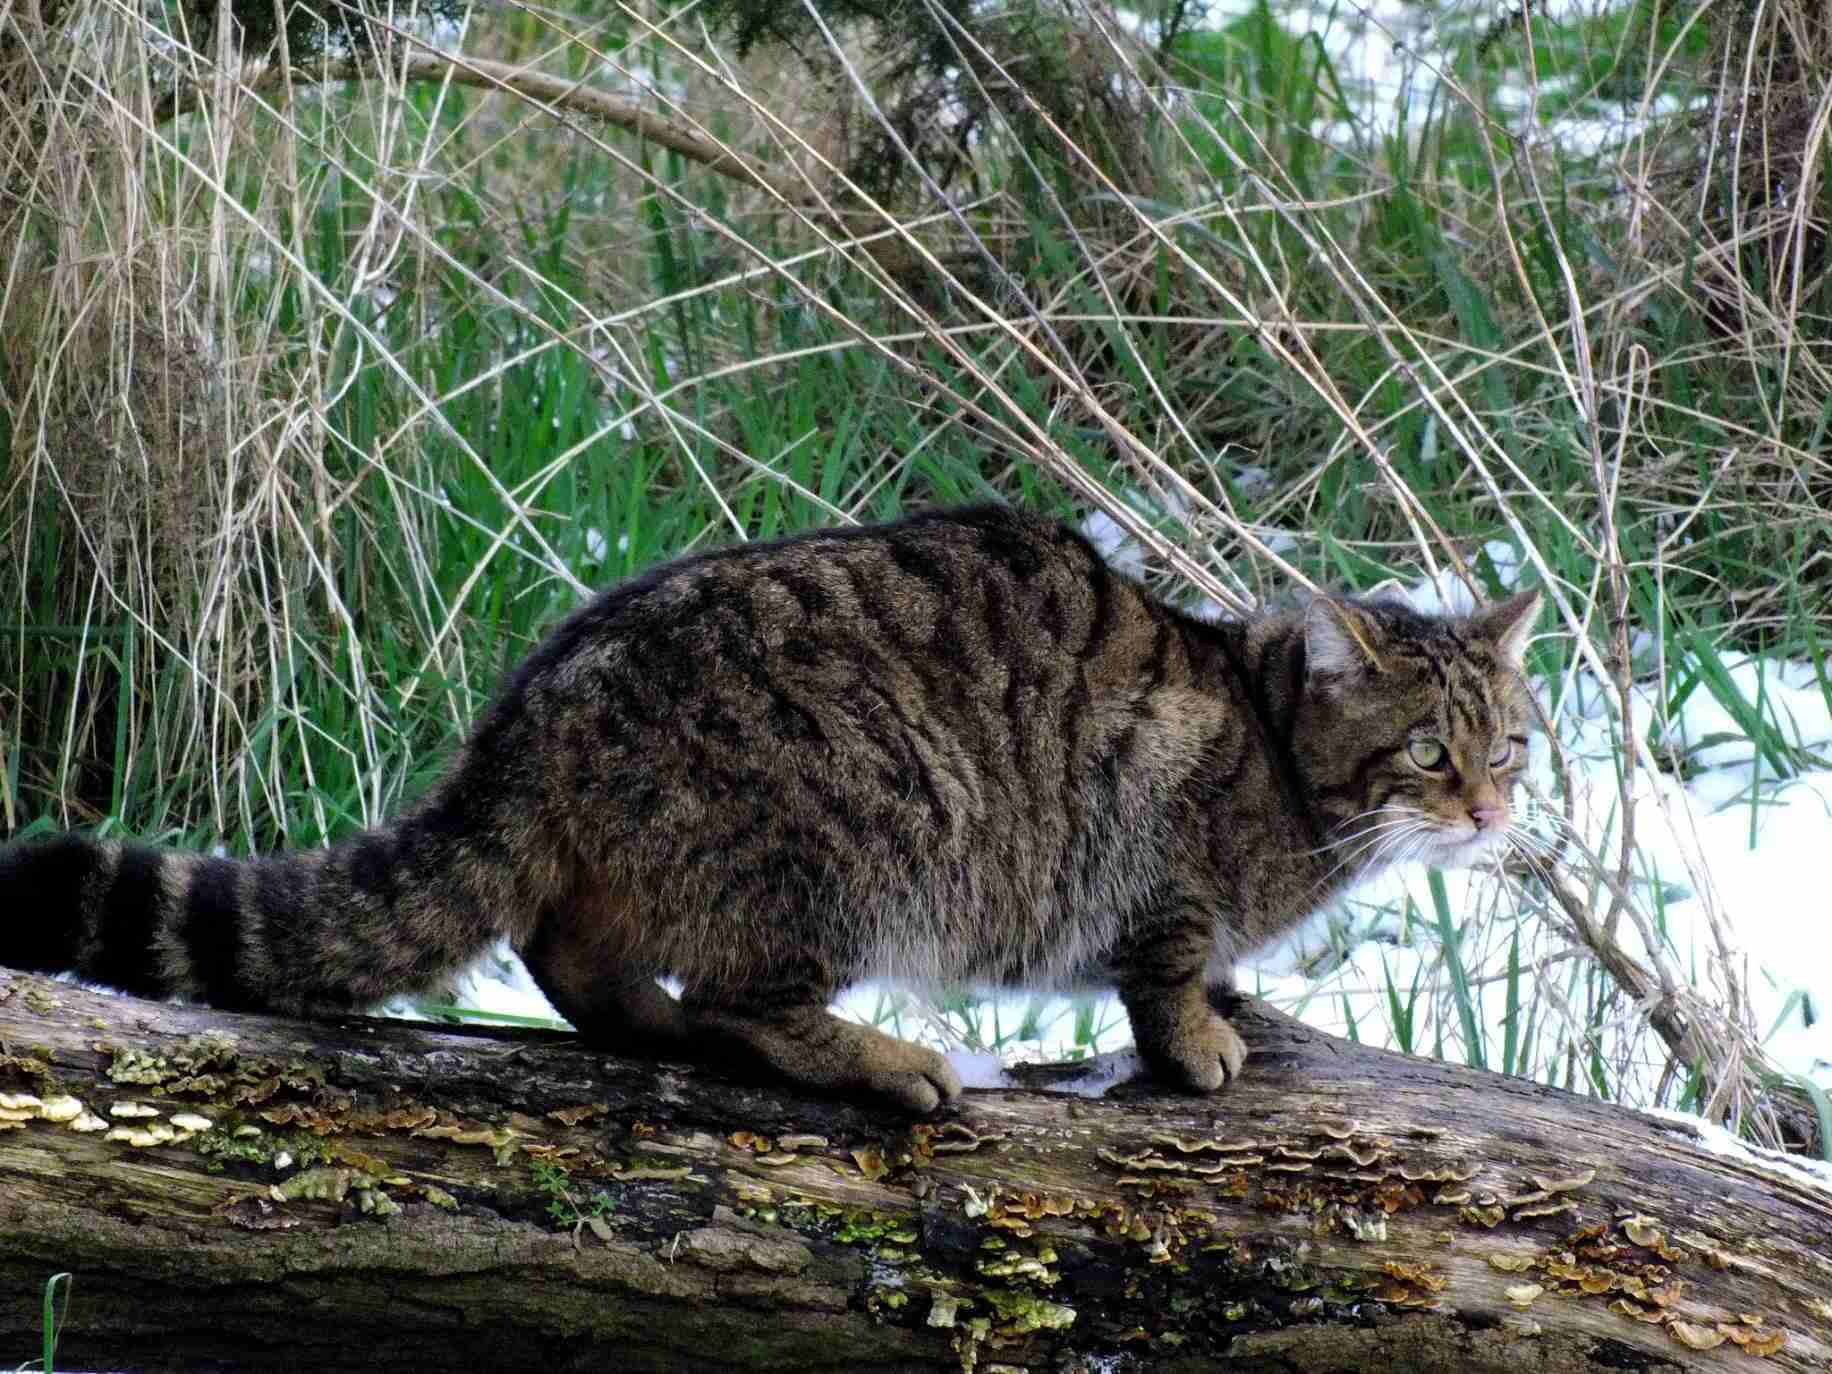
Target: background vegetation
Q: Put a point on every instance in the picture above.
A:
(341, 356)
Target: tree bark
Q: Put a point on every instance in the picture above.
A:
(369, 1195)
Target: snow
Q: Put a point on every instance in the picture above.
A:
(1390, 59)
(1714, 1139)
(498, 985)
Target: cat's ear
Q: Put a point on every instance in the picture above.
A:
(1509, 625)
(1341, 639)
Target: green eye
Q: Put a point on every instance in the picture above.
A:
(1502, 754)
(1427, 754)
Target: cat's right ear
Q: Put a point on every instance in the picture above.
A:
(1341, 639)
(1510, 626)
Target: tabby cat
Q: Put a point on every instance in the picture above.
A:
(957, 749)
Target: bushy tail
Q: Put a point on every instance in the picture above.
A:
(387, 911)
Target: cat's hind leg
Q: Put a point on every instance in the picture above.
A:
(784, 1030)
(614, 1004)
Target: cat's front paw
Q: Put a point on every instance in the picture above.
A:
(1206, 1052)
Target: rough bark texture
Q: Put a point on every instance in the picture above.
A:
(467, 1200)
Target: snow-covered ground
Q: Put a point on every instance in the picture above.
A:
(1392, 60)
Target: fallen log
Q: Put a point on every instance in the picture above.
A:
(234, 1191)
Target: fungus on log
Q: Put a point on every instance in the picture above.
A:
(367, 1195)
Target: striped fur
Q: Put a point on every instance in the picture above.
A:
(957, 749)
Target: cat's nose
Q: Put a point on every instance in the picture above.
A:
(1486, 817)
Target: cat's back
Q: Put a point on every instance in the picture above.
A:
(950, 600)
(904, 583)
(899, 687)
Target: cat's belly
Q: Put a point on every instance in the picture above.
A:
(968, 948)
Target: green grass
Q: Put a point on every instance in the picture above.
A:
(54, 1315)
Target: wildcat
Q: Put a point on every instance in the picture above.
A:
(954, 749)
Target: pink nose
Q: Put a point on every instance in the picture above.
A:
(1486, 817)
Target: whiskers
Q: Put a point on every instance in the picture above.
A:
(1539, 842)
(1382, 837)
(1376, 840)
(1385, 836)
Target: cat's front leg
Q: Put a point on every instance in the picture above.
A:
(1163, 983)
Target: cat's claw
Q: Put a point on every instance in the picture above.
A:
(921, 1084)
(1210, 1053)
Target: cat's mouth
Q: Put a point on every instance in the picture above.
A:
(1462, 846)
(1413, 837)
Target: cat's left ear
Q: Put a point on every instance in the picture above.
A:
(1341, 639)
(1509, 625)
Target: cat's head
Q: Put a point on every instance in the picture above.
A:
(1414, 727)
